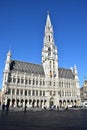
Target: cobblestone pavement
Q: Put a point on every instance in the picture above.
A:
(44, 120)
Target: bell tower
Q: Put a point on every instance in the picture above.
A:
(49, 52)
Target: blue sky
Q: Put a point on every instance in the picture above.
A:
(22, 24)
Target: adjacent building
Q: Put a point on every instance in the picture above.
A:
(39, 85)
(83, 91)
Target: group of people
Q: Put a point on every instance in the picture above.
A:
(5, 107)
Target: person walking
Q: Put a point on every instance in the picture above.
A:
(3, 106)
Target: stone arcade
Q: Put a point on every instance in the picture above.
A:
(40, 85)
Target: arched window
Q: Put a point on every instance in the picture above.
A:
(14, 79)
(43, 93)
(40, 93)
(21, 92)
(36, 82)
(33, 92)
(40, 82)
(26, 81)
(43, 83)
(25, 92)
(36, 92)
(18, 80)
(29, 92)
(22, 80)
(17, 92)
(53, 64)
(13, 91)
(33, 81)
(29, 81)
(50, 73)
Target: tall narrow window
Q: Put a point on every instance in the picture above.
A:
(36, 82)
(21, 92)
(14, 79)
(49, 51)
(18, 81)
(13, 91)
(29, 92)
(40, 93)
(33, 92)
(29, 81)
(53, 83)
(17, 91)
(40, 82)
(50, 73)
(22, 81)
(25, 92)
(43, 83)
(50, 64)
(50, 83)
(10, 79)
(33, 82)
(36, 92)
(53, 64)
(49, 38)
(25, 81)
(43, 93)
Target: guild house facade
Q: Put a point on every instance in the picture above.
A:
(39, 85)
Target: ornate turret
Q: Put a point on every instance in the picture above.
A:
(8, 60)
(76, 80)
(7, 68)
(75, 72)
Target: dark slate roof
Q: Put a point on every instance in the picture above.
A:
(37, 69)
(65, 73)
(26, 67)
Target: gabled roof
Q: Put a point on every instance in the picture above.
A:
(26, 67)
(65, 73)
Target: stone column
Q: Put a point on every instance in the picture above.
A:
(24, 104)
(15, 91)
(47, 103)
(15, 103)
(28, 104)
(23, 92)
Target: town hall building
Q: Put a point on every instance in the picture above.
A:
(39, 85)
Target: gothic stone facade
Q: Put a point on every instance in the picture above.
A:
(40, 85)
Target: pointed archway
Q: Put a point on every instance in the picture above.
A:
(51, 102)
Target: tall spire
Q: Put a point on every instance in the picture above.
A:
(48, 37)
(48, 22)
